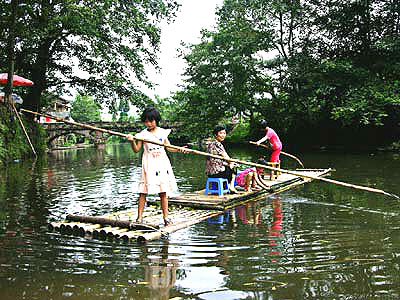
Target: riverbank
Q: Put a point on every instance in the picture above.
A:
(13, 142)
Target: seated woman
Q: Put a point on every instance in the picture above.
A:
(251, 178)
(218, 168)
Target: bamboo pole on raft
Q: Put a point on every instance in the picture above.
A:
(284, 153)
(23, 128)
(191, 151)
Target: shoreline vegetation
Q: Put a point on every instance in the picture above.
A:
(14, 146)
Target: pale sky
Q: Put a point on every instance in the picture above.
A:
(192, 16)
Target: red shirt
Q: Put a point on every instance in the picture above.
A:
(273, 139)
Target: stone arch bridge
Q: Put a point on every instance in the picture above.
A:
(59, 129)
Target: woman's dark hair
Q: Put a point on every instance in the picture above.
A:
(150, 114)
(218, 128)
(263, 124)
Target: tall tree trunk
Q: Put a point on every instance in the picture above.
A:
(38, 72)
(10, 50)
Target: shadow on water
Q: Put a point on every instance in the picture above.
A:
(316, 242)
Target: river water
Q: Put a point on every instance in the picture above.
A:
(320, 241)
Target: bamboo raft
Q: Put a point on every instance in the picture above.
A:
(284, 182)
(188, 209)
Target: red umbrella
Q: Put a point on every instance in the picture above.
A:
(17, 80)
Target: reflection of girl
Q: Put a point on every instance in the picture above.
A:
(160, 272)
(277, 223)
(249, 213)
(276, 227)
(218, 168)
(157, 175)
(274, 140)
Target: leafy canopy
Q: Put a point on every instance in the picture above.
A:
(109, 41)
(300, 64)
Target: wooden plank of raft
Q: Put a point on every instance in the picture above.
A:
(108, 232)
(200, 216)
(86, 228)
(69, 227)
(55, 225)
(131, 214)
(105, 221)
(130, 235)
(116, 232)
(75, 227)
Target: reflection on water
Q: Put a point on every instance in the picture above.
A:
(316, 242)
(160, 271)
(257, 214)
(276, 228)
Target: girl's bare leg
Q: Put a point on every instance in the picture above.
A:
(164, 204)
(232, 184)
(142, 203)
(248, 181)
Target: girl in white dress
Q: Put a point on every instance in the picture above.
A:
(157, 175)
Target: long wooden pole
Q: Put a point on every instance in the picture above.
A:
(23, 128)
(345, 184)
(284, 153)
(107, 221)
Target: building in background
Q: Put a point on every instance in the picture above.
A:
(58, 107)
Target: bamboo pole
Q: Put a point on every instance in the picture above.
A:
(191, 151)
(23, 128)
(284, 153)
(106, 221)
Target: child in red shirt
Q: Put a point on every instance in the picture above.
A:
(273, 139)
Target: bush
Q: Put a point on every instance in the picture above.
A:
(239, 132)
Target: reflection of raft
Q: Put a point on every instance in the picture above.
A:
(191, 208)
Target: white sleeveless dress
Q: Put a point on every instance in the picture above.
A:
(157, 174)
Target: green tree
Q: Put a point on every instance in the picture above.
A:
(85, 109)
(109, 41)
(305, 65)
(123, 109)
(168, 108)
(358, 69)
(228, 73)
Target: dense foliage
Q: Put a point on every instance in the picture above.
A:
(85, 109)
(314, 69)
(109, 41)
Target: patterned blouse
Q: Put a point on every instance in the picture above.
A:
(215, 165)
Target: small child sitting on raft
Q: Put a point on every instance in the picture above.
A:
(250, 178)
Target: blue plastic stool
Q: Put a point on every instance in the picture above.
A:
(218, 186)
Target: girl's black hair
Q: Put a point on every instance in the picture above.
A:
(218, 128)
(151, 114)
